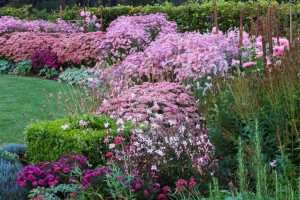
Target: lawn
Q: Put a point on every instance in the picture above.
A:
(24, 100)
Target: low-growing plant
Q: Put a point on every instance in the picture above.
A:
(19, 149)
(75, 76)
(4, 66)
(22, 68)
(9, 169)
(82, 135)
(69, 176)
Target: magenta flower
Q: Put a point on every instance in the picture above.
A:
(162, 196)
(192, 183)
(118, 140)
(166, 189)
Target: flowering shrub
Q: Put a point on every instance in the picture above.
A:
(170, 102)
(79, 48)
(132, 34)
(11, 24)
(45, 59)
(21, 46)
(174, 57)
(169, 131)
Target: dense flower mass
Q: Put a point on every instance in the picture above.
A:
(45, 59)
(132, 34)
(170, 102)
(21, 46)
(11, 24)
(49, 174)
(175, 57)
(78, 48)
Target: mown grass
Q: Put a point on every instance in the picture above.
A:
(24, 100)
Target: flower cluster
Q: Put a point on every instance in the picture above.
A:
(169, 102)
(174, 57)
(168, 130)
(132, 34)
(49, 174)
(45, 59)
(11, 24)
(253, 52)
(21, 46)
(79, 48)
(89, 23)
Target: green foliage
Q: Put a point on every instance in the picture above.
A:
(48, 73)
(116, 187)
(48, 141)
(4, 66)
(21, 13)
(232, 106)
(189, 16)
(55, 192)
(75, 76)
(23, 68)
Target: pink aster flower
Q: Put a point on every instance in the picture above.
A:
(249, 64)
(98, 25)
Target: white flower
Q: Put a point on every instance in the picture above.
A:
(111, 146)
(149, 150)
(149, 111)
(82, 123)
(159, 116)
(159, 152)
(182, 129)
(65, 126)
(154, 126)
(120, 121)
(133, 95)
(172, 122)
(106, 125)
(153, 168)
(273, 163)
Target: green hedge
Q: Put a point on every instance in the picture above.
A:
(48, 141)
(190, 16)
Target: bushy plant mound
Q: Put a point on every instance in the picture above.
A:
(21, 46)
(175, 57)
(170, 102)
(9, 169)
(132, 34)
(49, 140)
(44, 59)
(11, 24)
(69, 175)
(79, 48)
(19, 149)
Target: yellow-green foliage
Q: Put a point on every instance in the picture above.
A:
(189, 16)
(48, 141)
